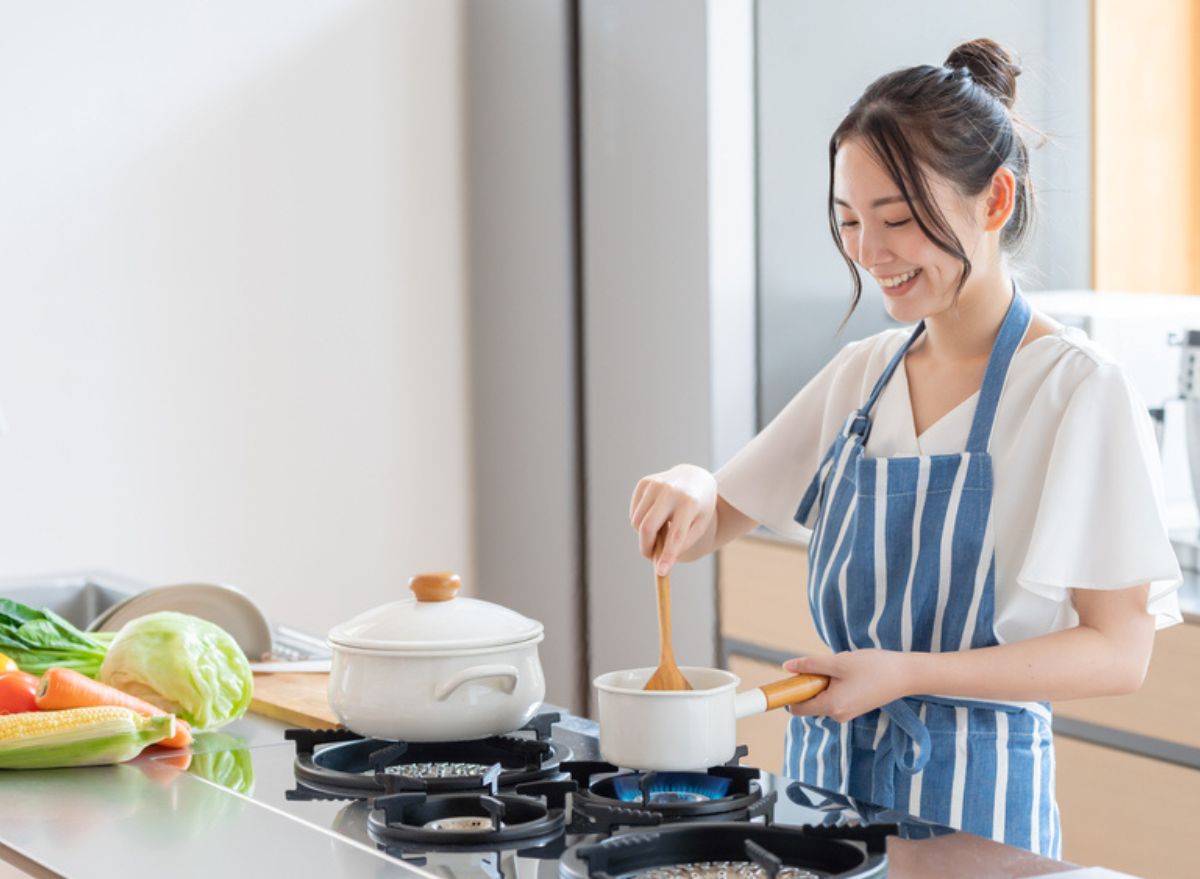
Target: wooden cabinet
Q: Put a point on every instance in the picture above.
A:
(764, 619)
(1126, 812)
(1120, 810)
(1146, 114)
(762, 587)
(1168, 704)
(762, 734)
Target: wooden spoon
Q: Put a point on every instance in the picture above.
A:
(667, 676)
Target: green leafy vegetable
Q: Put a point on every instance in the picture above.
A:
(40, 639)
(186, 666)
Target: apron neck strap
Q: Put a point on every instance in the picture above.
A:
(896, 360)
(1012, 331)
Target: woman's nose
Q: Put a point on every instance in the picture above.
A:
(871, 248)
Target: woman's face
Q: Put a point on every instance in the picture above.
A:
(918, 279)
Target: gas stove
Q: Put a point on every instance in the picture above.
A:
(537, 804)
(249, 801)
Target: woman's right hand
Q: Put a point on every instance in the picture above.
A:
(684, 499)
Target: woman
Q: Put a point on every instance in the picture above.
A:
(983, 491)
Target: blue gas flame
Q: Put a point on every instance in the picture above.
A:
(694, 785)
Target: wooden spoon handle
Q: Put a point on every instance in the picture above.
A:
(665, 652)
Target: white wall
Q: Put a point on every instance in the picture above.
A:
(231, 296)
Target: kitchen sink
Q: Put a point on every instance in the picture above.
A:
(81, 597)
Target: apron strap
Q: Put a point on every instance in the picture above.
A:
(904, 727)
(1012, 331)
(859, 421)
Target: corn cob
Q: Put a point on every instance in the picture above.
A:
(77, 737)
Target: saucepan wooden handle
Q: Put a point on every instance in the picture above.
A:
(797, 688)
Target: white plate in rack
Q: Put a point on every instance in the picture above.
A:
(230, 608)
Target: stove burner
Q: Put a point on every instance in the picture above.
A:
(463, 823)
(433, 770)
(461, 819)
(675, 796)
(340, 764)
(609, 798)
(729, 850)
(723, 870)
(673, 787)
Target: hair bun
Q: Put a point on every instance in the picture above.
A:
(990, 65)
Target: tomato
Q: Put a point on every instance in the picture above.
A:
(17, 692)
(7, 665)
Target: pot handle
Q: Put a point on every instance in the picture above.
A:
(776, 694)
(475, 673)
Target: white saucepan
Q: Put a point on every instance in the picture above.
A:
(684, 729)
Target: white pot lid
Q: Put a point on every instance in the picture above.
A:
(433, 618)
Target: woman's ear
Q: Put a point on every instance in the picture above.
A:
(1001, 199)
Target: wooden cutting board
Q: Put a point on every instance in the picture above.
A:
(294, 698)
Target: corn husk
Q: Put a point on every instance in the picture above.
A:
(78, 737)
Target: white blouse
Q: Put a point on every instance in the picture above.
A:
(1078, 497)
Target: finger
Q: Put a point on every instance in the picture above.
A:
(677, 529)
(813, 665)
(817, 706)
(638, 492)
(651, 524)
(647, 501)
(694, 532)
(660, 539)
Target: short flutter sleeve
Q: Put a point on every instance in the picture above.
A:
(767, 478)
(1100, 519)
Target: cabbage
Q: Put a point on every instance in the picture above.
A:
(185, 665)
(223, 759)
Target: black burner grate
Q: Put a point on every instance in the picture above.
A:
(340, 764)
(608, 796)
(774, 851)
(461, 819)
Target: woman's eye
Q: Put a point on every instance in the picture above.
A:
(898, 223)
(846, 224)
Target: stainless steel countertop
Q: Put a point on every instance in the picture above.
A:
(152, 816)
(148, 817)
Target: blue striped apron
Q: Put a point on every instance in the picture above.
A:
(902, 557)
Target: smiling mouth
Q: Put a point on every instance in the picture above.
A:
(894, 281)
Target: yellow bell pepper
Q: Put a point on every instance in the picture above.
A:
(7, 664)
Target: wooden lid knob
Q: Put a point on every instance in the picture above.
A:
(439, 586)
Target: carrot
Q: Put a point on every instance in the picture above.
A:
(66, 688)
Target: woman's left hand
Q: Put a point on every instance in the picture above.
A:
(859, 681)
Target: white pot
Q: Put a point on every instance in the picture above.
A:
(435, 667)
(684, 729)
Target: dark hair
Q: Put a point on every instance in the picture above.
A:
(956, 121)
